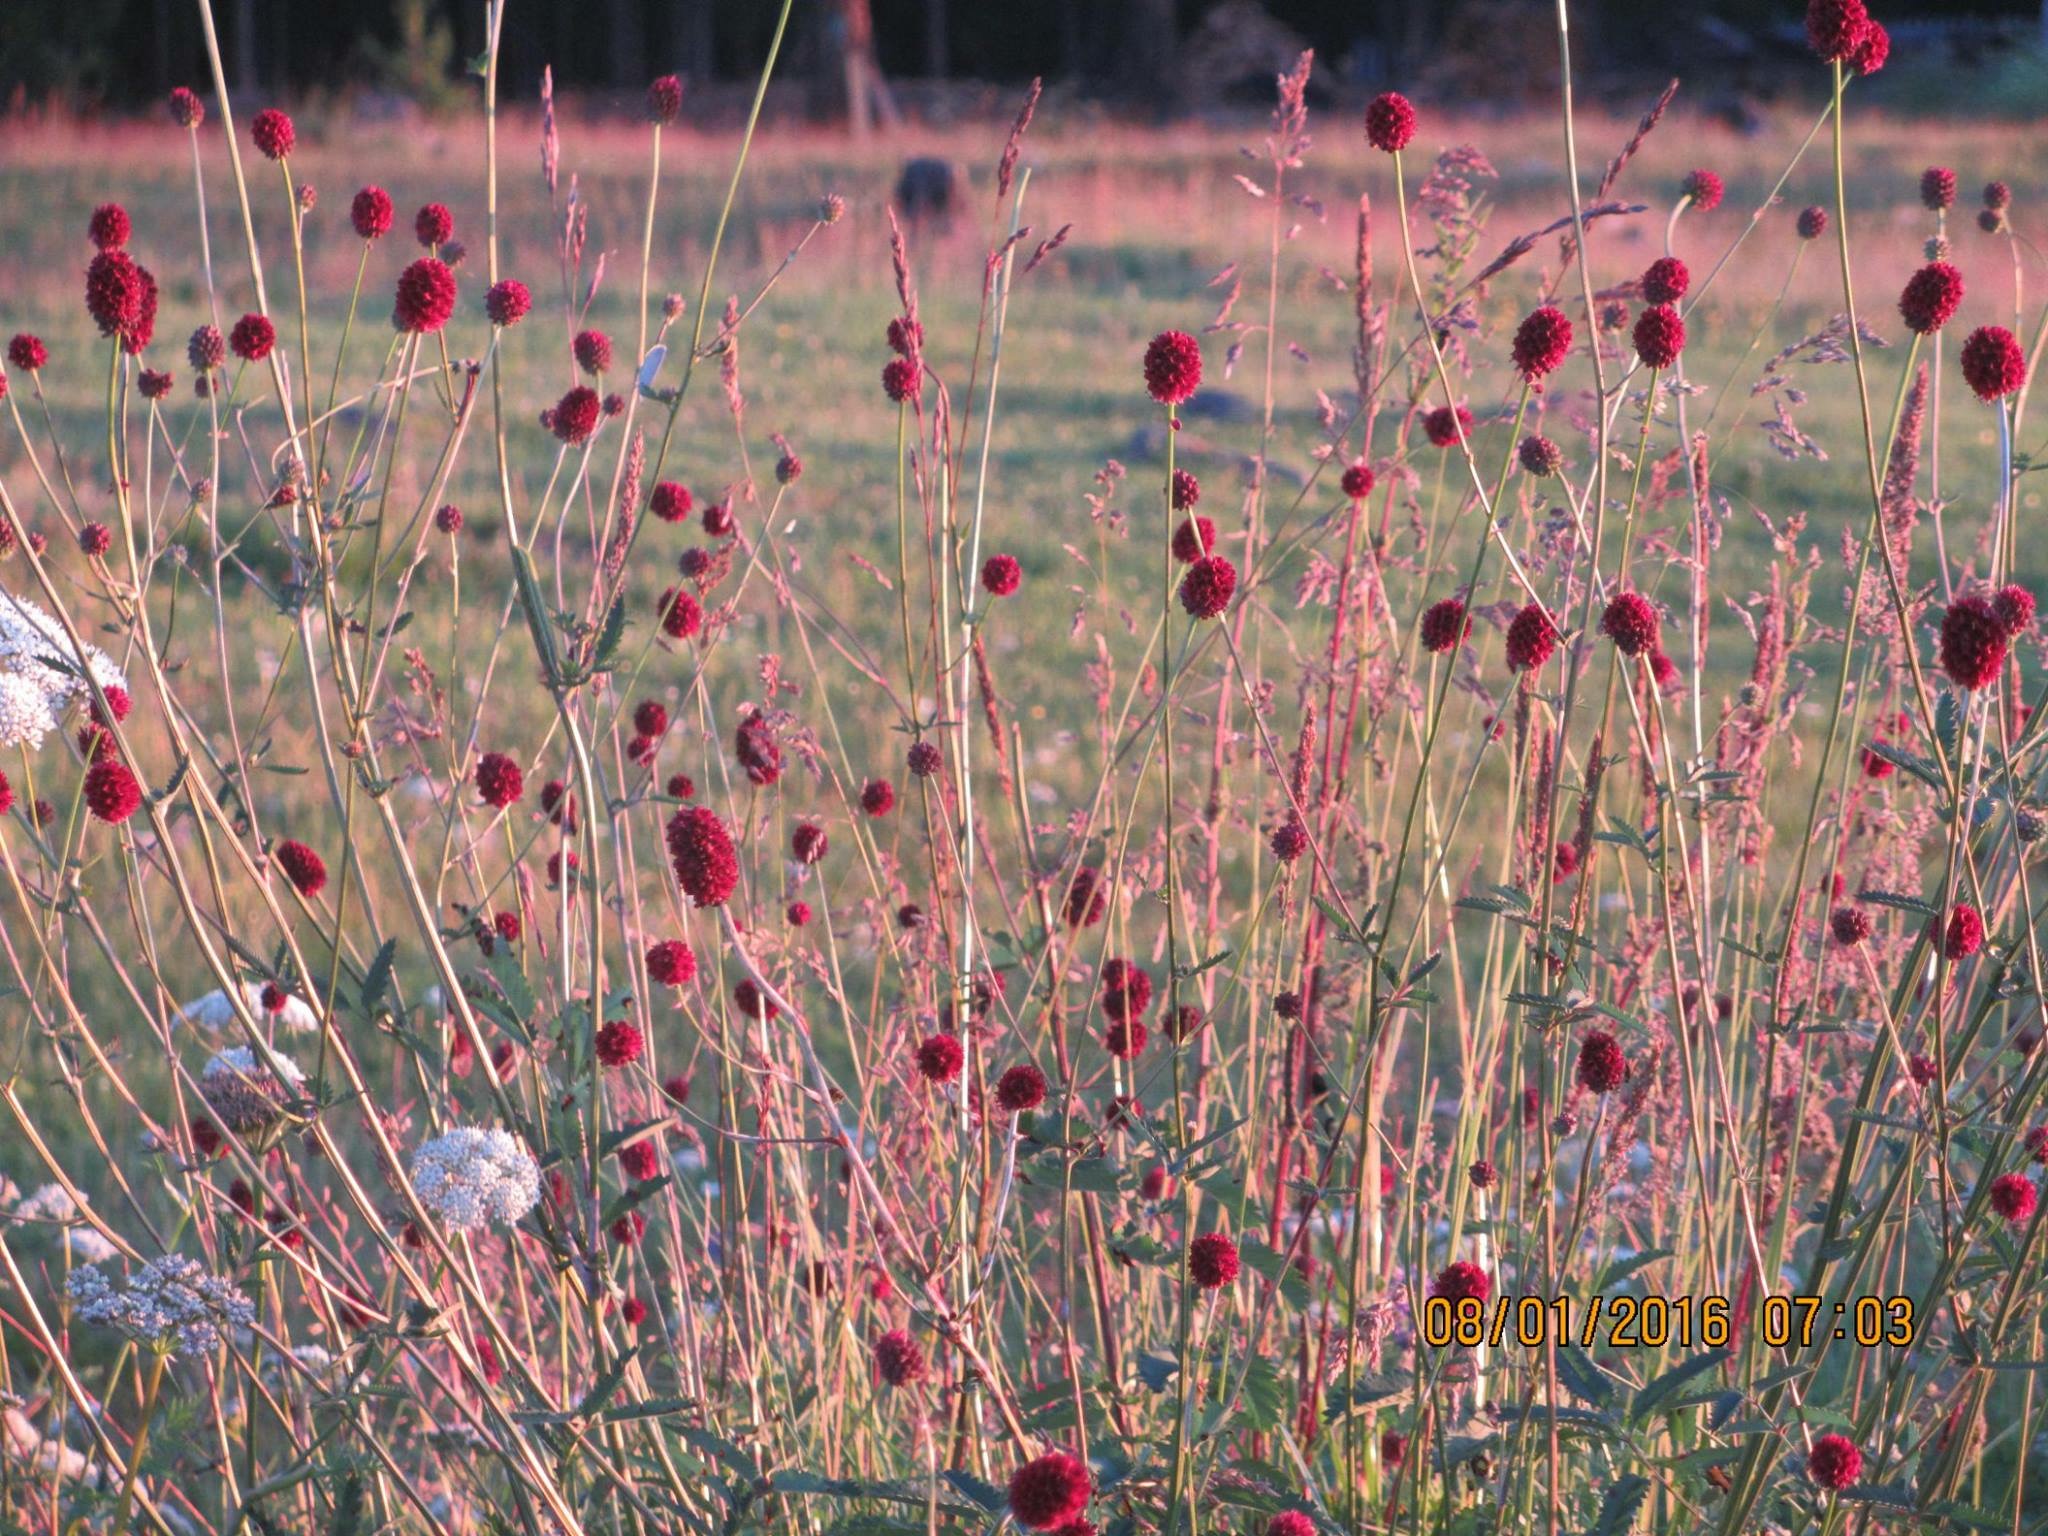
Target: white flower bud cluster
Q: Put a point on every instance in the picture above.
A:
(171, 1304)
(38, 676)
(471, 1178)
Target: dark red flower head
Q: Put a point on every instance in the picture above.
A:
(2013, 1196)
(1389, 122)
(113, 292)
(154, 383)
(923, 759)
(809, 843)
(1542, 341)
(1993, 364)
(1665, 281)
(187, 110)
(1703, 187)
(1531, 638)
(1357, 481)
(1834, 1462)
(701, 850)
(1931, 297)
(26, 352)
(1185, 491)
(425, 298)
(752, 1001)
(448, 518)
(1212, 1261)
(680, 614)
(939, 1058)
(1850, 925)
(1020, 1088)
(1173, 367)
(108, 227)
(1087, 900)
(1193, 537)
(1630, 622)
(433, 225)
(1973, 642)
(1659, 336)
(1000, 575)
(619, 1043)
(671, 501)
(759, 753)
(273, 133)
(302, 866)
(1873, 48)
(1446, 424)
(671, 962)
(1126, 989)
(1125, 1039)
(1050, 1492)
(1997, 196)
(593, 351)
(252, 338)
(95, 539)
(508, 302)
(902, 379)
(878, 797)
(1964, 935)
(1834, 27)
(2014, 606)
(664, 99)
(111, 791)
(1445, 624)
(574, 417)
(371, 213)
(898, 1360)
(1457, 1281)
(1540, 456)
(1938, 187)
(1813, 222)
(206, 350)
(1602, 1066)
(1289, 841)
(1206, 589)
(499, 780)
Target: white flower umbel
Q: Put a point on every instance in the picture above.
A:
(471, 1178)
(171, 1304)
(248, 1094)
(214, 1011)
(39, 675)
(52, 1205)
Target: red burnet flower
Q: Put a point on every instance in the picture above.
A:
(1193, 537)
(671, 501)
(1542, 341)
(252, 338)
(1290, 1522)
(2014, 606)
(1539, 455)
(1445, 624)
(1087, 901)
(1704, 189)
(789, 468)
(680, 614)
(1631, 623)
(1456, 1282)
(923, 759)
(1993, 364)
(902, 379)
(671, 962)
(905, 336)
(499, 780)
(752, 1001)
(1873, 48)
(1930, 298)
(273, 134)
(1602, 1066)
(650, 717)
(6, 795)
(629, 1229)
(95, 539)
(153, 383)
(1206, 589)
(640, 1159)
(1184, 490)
(1665, 281)
(808, 844)
(1357, 481)
(1659, 336)
(1050, 1492)
(1990, 220)
(448, 518)
(1126, 989)
(619, 1043)
(433, 225)
(593, 350)
(938, 1058)
(798, 913)
(186, 109)
(1446, 424)
(1389, 122)
(1964, 935)
(306, 870)
(370, 212)
(878, 797)
(1997, 196)
(1834, 1462)
(1483, 1174)
(26, 352)
(1020, 1088)
(718, 520)
(113, 292)
(664, 99)
(1938, 188)
(1564, 861)
(1154, 1183)
(1212, 1261)
(1531, 638)
(2013, 1196)
(1834, 27)
(700, 849)
(1001, 575)
(574, 417)
(117, 700)
(507, 302)
(425, 297)
(1289, 840)
(138, 333)
(1813, 222)
(1876, 766)
(1173, 367)
(1125, 1039)
(898, 1360)
(206, 350)
(108, 228)
(111, 791)
(1973, 642)
(1850, 926)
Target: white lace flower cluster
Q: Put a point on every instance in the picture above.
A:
(52, 1205)
(245, 1093)
(215, 1011)
(471, 1178)
(38, 672)
(171, 1304)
